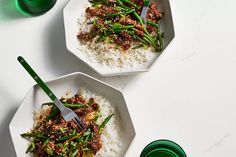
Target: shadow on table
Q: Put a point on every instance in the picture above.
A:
(61, 61)
(8, 10)
(6, 145)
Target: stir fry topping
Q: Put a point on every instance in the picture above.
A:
(55, 137)
(118, 22)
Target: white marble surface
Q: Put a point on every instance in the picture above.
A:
(189, 96)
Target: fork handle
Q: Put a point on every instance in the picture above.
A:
(36, 78)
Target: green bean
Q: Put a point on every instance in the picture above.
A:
(122, 27)
(140, 39)
(128, 26)
(140, 21)
(153, 24)
(49, 151)
(122, 5)
(88, 132)
(65, 104)
(122, 13)
(101, 38)
(65, 146)
(160, 42)
(66, 137)
(63, 130)
(48, 104)
(87, 135)
(74, 153)
(87, 138)
(138, 18)
(119, 2)
(31, 147)
(80, 139)
(151, 40)
(159, 35)
(147, 40)
(89, 23)
(119, 8)
(35, 135)
(45, 142)
(131, 3)
(112, 31)
(116, 29)
(99, 1)
(73, 105)
(71, 149)
(95, 118)
(96, 5)
(54, 112)
(102, 126)
(138, 46)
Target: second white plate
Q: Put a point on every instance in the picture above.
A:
(73, 11)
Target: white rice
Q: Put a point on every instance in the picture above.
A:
(41, 114)
(107, 56)
(111, 135)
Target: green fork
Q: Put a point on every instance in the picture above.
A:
(67, 113)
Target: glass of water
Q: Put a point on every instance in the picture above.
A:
(35, 7)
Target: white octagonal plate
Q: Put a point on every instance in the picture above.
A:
(73, 11)
(23, 119)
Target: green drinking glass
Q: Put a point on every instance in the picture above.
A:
(163, 148)
(34, 7)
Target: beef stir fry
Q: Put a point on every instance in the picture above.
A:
(54, 137)
(118, 22)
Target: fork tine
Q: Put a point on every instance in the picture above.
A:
(79, 122)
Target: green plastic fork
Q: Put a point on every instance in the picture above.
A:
(67, 113)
